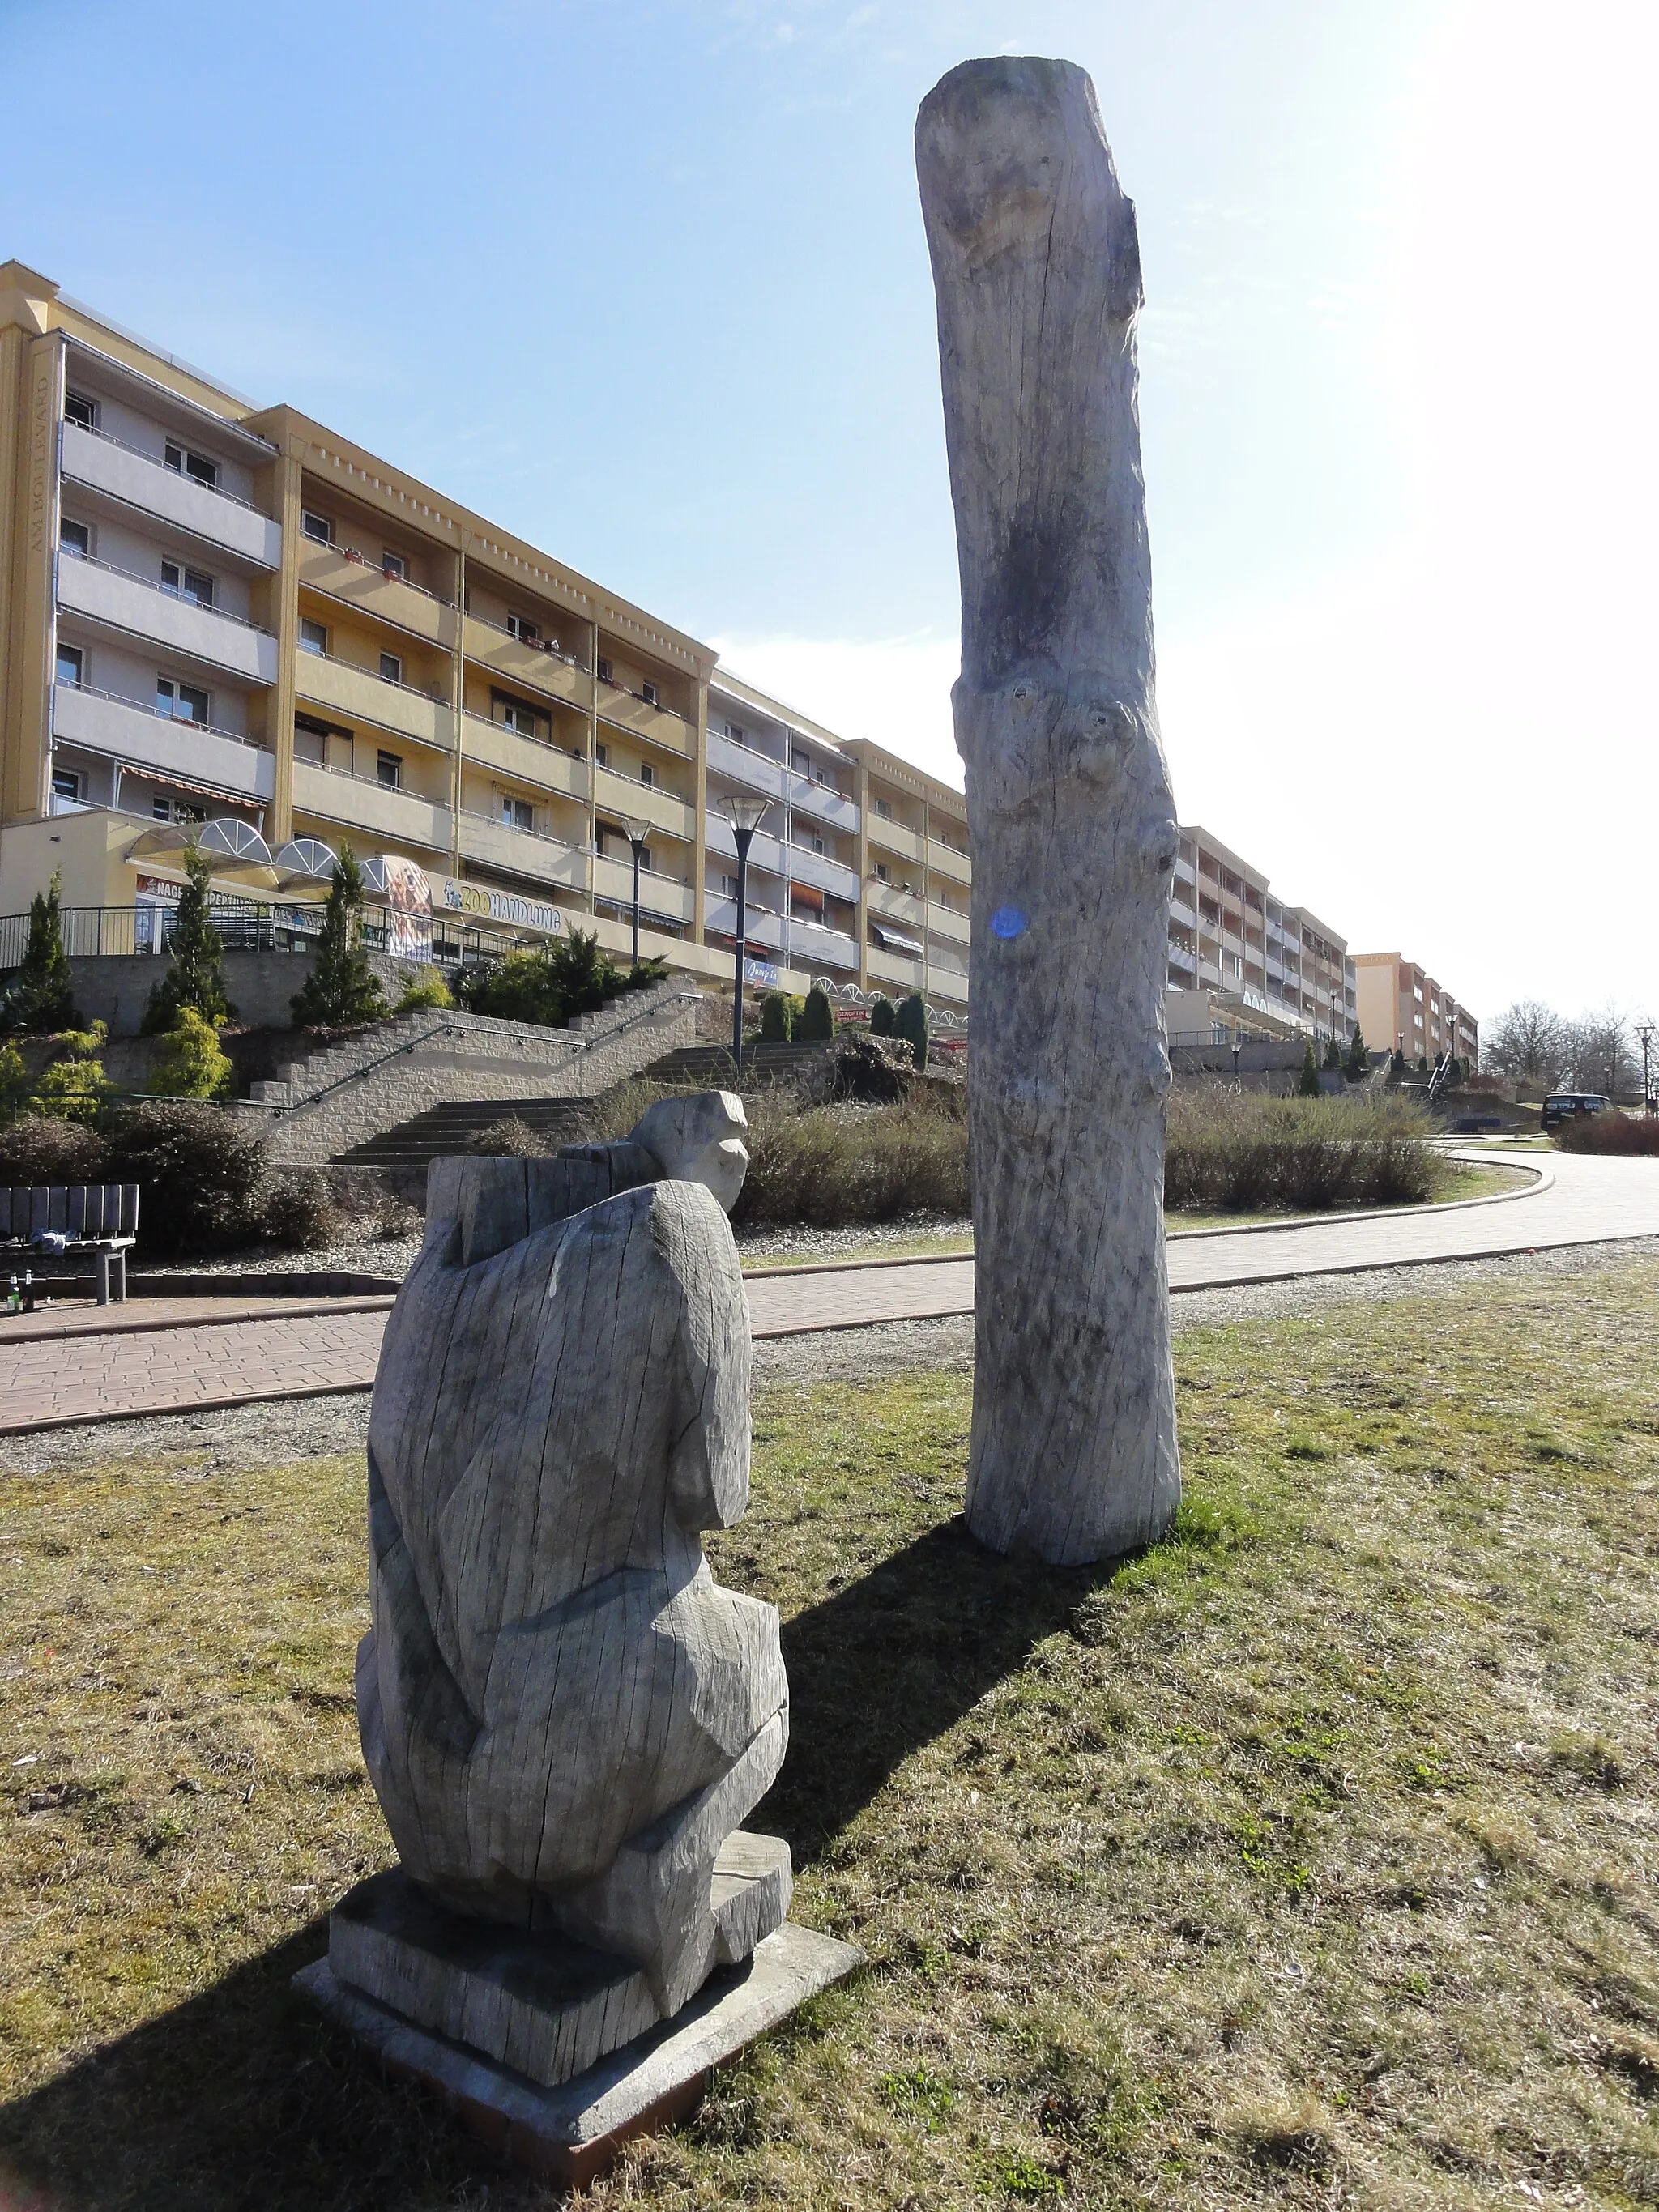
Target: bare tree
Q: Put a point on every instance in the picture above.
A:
(1599, 1053)
(1528, 1040)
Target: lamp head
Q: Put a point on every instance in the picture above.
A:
(637, 833)
(745, 815)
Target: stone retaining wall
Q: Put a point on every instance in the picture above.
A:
(115, 987)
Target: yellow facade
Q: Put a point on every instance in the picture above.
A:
(211, 610)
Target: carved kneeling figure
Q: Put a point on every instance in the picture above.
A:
(564, 1715)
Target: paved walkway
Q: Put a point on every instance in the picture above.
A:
(140, 1359)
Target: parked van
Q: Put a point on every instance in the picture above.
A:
(1568, 1105)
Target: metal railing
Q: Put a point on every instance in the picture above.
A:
(393, 682)
(355, 555)
(536, 644)
(244, 926)
(157, 713)
(126, 445)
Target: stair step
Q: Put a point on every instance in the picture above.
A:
(451, 1125)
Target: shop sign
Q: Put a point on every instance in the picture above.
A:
(158, 887)
(486, 905)
(760, 971)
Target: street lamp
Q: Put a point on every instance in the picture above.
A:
(1237, 1048)
(1644, 1030)
(637, 833)
(745, 816)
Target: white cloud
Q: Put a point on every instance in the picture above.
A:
(895, 691)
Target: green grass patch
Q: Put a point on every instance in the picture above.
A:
(1305, 1858)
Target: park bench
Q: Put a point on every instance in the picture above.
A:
(100, 1218)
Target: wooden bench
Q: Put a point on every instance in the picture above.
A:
(100, 1218)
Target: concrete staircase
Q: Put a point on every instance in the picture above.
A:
(455, 1125)
(708, 1066)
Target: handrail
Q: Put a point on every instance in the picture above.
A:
(609, 684)
(356, 554)
(536, 644)
(126, 445)
(447, 1023)
(394, 682)
(166, 591)
(354, 775)
(139, 707)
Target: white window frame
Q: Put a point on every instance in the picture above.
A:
(184, 463)
(511, 809)
(311, 522)
(648, 692)
(77, 777)
(394, 673)
(68, 522)
(73, 399)
(79, 653)
(393, 565)
(174, 687)
(313, 636)
(175, 579)
(382, 759)
(648, 775)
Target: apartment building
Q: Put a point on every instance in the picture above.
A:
(1402, 1008)
(1242, 961)
(229, 623)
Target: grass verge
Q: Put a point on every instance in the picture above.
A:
(1308, 1859)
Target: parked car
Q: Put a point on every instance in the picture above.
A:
(1568, 1105)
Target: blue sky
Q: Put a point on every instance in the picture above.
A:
(647, 282)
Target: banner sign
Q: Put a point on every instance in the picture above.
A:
(158, 887)
(409, 899)
(760, 971)
(484, 904)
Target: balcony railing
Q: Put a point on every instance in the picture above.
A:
(392, 683)
(126, 445)
(536, 644)
(145, 706)
(166, 590)
(356, 554)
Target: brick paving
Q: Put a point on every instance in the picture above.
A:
(122, 1362)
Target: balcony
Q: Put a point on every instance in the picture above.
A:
(123, 473)
(646, 802)
(362, 696)
(899, 906)
(357, 582)
(823, 802)
(146, 610)
(627, 712)
(893, 836)
(530, 667)
(810, 944)
(822, 873)
(1181, 911)
(363, 803)
(1181, 958)
(765, 854)
(944, 922)
(492, 744)
(755, 771)
(126, 730)
(522, 852)
(659, 895)
(945, 860)
(762, 929)
(892, 968)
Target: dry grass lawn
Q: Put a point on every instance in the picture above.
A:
(1309, 1859)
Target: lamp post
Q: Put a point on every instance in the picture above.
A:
(1644, 1030)
(745, 816)
(1237, 1048)
(637, 833)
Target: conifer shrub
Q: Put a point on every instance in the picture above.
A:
(1357, 1066)
(551, 983)
(425, 986)
(341, 988)
(41, 995)
(190, 1064)
(777, 1018)
(817, 1019)
(72, 1087)
(883, 1013)
(1307, 1082)
(16, 1083)
(195, 949)
(910, 1023)
(1333, 1060)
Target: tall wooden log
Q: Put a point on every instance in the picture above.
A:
(1036, 269)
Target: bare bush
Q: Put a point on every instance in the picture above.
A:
(1239, 1152)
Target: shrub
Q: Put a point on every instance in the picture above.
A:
(194, 977)
(47, 1150)
(865, 1071)
(341, 989)
(777, 1018)
(425, 987)
(818, 1019)
(1333, 1060)
(16, 1083)
(1236, 1152)
(42, 993)
(1357, 1067)
(883, 1013)
(911, 1021)
(512, 1137)
(190, 1064)
(1307, 1082)
(552, 983)
(72, 1087)
(836, 1164)
(202, 1175)
(297, 1213)
(1611, 1132)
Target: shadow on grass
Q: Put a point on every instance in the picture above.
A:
(242, 2098)
(245, 2100)
(895, 1660)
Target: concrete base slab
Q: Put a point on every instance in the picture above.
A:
(571, 2133)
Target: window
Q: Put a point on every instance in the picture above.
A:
(882, 876)
(310, 741)
(389, 770)
(175, 810)
(184, 583)
(1416, 994)
(71, 666)
(602, 755)
(734, 734)
(804, 764)
(393, 565)
(196, 466)
(392, 668)
(184, 702)
(885, 808)
(517, 716)
(517, 813)
(316, 528)
(728, 887)
(67, 783)
(648, 693)
(645, 855)
(648, 774)
(522, 628)
(77, 408)
(605, 676)
(313, 636)
(74, 538)
(816, 842)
